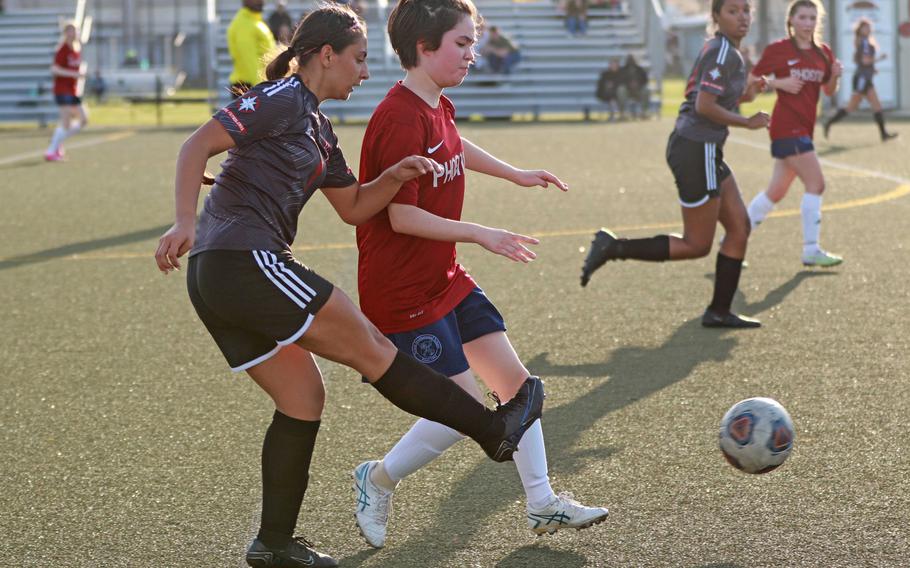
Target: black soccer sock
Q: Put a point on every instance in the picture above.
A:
(421, 391)
(880, 121)
(839, 115)
(656, 249)
(726, 280)
(286, 454)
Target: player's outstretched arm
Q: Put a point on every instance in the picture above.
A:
(210, 139)
(479, 160)
(411, 220)
(356, 203)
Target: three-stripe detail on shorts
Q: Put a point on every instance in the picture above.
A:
(710, 166)
(284, 278)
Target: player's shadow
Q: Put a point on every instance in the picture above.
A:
(835, 149)
(83, 247)
(535, 555)
(775, 296)
(631, 373)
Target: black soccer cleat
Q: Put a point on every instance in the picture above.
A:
(729, 320)
(297, 553)
(602, 249)
(889, 136)
(517, 416)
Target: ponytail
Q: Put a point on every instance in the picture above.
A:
(280, 65)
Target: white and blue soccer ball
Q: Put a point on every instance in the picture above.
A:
(756, 435)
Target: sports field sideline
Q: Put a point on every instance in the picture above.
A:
(127, 442)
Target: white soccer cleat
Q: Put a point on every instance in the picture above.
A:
(564, 512)
(373, 505)
(822, 258)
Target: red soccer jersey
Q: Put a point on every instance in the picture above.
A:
(69, 59)
(407, 282)
(794, 115)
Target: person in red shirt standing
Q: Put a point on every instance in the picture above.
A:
(68, 70)
(802, 67)
(411, 285)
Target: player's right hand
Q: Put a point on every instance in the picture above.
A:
(172, 245)
(758, 120)
(415, 166)
(508, 244)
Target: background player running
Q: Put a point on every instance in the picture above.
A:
(267, 312)
(707, 189)
(69, 71)
(802, 66)
(863, 88)
(410, 284)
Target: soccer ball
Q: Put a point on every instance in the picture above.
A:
(756, 435)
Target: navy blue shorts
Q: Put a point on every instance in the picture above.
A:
(862, 82)
(786, 147)
(438, 345)
(67, 100)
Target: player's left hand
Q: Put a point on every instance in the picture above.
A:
(837, 68)
(542, 178)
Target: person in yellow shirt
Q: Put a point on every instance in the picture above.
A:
(249, 41)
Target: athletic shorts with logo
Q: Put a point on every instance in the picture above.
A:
(438, 345)
(254, 302)
(698, 168)
(786, 147)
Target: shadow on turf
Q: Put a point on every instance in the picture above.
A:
(84, 246)
(775, 296)
(634, 373)
(534, 555)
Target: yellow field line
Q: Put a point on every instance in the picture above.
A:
(896, 193)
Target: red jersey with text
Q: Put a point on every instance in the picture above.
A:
(407, 282)
(69, 59)
(794, 115)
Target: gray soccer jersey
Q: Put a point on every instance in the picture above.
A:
(719, 70)
(285, 150)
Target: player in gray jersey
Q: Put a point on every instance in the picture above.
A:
(707, 189)
(865, 58)
(268, 313)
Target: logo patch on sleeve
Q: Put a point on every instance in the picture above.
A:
(248, 104)
(714, 73)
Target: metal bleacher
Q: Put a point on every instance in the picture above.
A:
(27, 42)
(557, 74)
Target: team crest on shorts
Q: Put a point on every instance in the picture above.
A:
(426, 348)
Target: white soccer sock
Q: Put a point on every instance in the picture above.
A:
(59, 136)
(759, 209)
(74, 128)
(420, 445)
(531, 461)
(811, 210)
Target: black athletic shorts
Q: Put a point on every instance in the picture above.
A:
(254, 302)
(698, 168)
(862, 82)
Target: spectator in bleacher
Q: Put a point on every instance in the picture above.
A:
(502, 54)
(280, 23)
(98, 86)
(249, 39)
(68, 70)
(608, 89)
(635, 83)
(576, 12)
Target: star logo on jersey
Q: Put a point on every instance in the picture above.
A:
(248, 104)
(714, 74)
